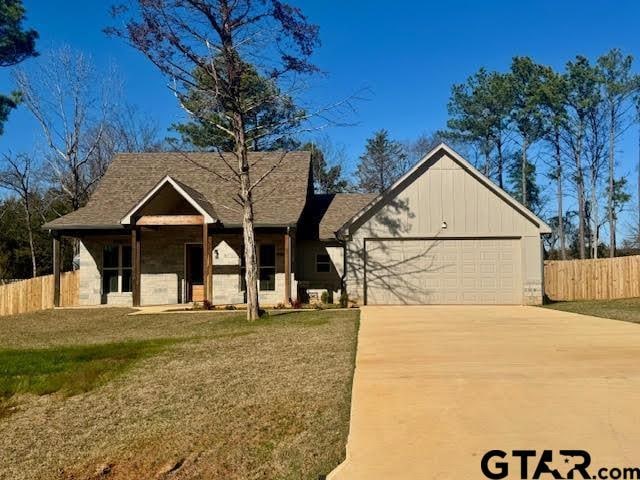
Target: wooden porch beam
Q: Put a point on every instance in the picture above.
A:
(170, 220)
(56, 271)
(287, 268)
(135, 264)
(206, 261)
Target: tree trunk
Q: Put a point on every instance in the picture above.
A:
(582, 213)
(27, 210)
(250, 256)
(524, 172)
(595, 234)
(558, 155)
(500, 165)
(612, 219)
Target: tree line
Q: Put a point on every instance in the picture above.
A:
(534, 123)
(523, 128)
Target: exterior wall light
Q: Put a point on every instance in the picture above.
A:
(444, 226)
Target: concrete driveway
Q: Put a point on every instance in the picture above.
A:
(435, 388)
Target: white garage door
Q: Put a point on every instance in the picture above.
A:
(467, 271)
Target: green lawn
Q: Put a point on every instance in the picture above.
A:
(627, 309)
(220, 397)
(70, 370)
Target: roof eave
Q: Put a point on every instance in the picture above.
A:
(116, 226)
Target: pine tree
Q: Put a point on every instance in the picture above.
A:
(383, 162)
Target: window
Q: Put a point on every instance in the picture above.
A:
(323, 263)
(267, 267)
(116, 269)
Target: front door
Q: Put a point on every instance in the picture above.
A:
(194, 273)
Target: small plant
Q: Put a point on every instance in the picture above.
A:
(280, 306)
(262, 313)
(324, 298)
(319, 306)
(344, 299)
(230, 307)
(207, 305)
(296, 304)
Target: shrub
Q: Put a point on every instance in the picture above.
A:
(296, 304)
(324, 298)
(344, 299)
(230, 307)
(280, 306)
(207, 305)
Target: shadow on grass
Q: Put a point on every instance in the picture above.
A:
(72, 369)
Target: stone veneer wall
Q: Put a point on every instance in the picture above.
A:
(162, 268)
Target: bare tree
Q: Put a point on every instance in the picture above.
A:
(17, 176)
(223, 41)
(74, 104)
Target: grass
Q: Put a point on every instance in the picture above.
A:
(72, 369)
(627, 309)
(216, 396)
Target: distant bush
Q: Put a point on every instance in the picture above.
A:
(344, 299)
(324, 298)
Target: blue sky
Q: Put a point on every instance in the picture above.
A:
(407, 54)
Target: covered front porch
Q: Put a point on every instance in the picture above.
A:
(159, 262)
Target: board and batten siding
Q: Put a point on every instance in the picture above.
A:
(441, 190)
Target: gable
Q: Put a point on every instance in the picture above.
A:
(170, 197)
(445, 189)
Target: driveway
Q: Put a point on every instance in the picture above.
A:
(435, 388)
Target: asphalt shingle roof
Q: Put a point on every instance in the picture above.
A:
(329, 212)
(278, 200)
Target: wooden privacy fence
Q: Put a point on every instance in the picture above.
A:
(37, 293)
(602, 279)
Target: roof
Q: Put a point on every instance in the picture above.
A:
(278, 200)
(444, 148)
(328, 212)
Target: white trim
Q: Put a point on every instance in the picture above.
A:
(542, 226)
(126, 220)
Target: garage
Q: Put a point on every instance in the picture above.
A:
(447, 271)
(444, 233)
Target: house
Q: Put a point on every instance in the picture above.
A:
(443, 233)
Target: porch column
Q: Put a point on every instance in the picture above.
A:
(206, 262)
(56, 270)
(287, 267)
(135, 265)
(210, 273)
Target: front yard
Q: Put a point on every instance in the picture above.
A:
(627, 309)
(88, 394)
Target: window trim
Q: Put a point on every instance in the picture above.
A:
(120, 268)
(329, 262)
